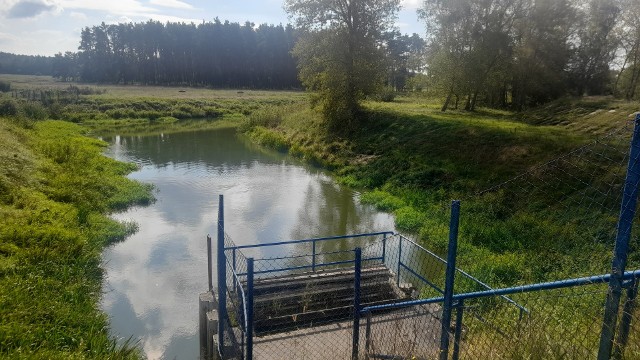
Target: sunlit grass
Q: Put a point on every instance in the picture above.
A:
(56, 194)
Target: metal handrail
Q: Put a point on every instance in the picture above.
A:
(552, 285)
(465, 274)
(309, 240)
(313, 254)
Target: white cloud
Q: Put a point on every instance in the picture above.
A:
(411, 4)
(176, 4)
(27, 9)
(117, 7)
(167, 18)
(6, 38)
(31, 43)
(78, 15)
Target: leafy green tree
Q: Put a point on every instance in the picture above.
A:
(339, 53)
(542, 51)
(472, 44)
(628, 31)
(596, 47)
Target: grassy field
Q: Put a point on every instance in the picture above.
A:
(411, 159)
(406, 157)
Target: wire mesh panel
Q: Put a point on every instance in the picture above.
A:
(234, 319)
(407, 333)
(304, 295)
(560, 324)
(564, 212)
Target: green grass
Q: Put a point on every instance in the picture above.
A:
(406, 156)
(57, 189)
(411, 159)
(109, 109)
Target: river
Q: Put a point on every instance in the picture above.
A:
(153, 278)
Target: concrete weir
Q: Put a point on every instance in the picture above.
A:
(208, 325)
(310, 315)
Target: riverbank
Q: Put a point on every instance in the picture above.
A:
(407, 158)
(56, 191)
(411, 160)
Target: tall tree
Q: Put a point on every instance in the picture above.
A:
(338, 53)
(472, 42)
(628, 31)
(596, 47)
(542, 50)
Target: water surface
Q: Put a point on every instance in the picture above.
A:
(154, 277)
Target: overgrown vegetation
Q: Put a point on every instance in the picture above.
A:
(5, 86)
(413, 159)
(56, 189)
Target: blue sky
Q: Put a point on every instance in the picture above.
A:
(45, 27)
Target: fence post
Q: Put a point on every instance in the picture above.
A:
(625, 221)
(399, 258)
(625, 322)
(384, 247)
(356, 303)
(449, 280)
(249, 306)
(222, 278)
(458, 331)
(313, 258)
(233, 266)
(209, 264)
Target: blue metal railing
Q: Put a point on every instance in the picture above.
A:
(439, 259)
(315, 264)
(598, 279)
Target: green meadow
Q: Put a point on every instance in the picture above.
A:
(406, 157)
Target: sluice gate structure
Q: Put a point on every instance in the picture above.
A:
(304, 299)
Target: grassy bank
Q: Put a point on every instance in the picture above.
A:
(411, 159)
(125, 110)
(56, 189)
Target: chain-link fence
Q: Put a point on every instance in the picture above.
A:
(313, 299)
(563, 321)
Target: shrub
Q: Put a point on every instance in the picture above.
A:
(269, 138)
(34, 111)
(9, 107)
(269, 117)
(386, 95)
(5, 86)
(409, 219)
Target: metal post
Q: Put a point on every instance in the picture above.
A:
(233, 257)
(222, 278)
(313, 257)
(209, 264)
(356, 303)
(458, 331)
(625, 322)
(399, 259)
(384, 247)
(625, 220)
(233, 262)
(367, 337)
(249, 305)
(449, 280)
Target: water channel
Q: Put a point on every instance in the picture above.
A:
(154, 277)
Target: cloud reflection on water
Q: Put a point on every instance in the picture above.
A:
(155, 276)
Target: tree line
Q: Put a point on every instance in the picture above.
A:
(222, 54)
(498, 53)
(522, 53)
(25, 64)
